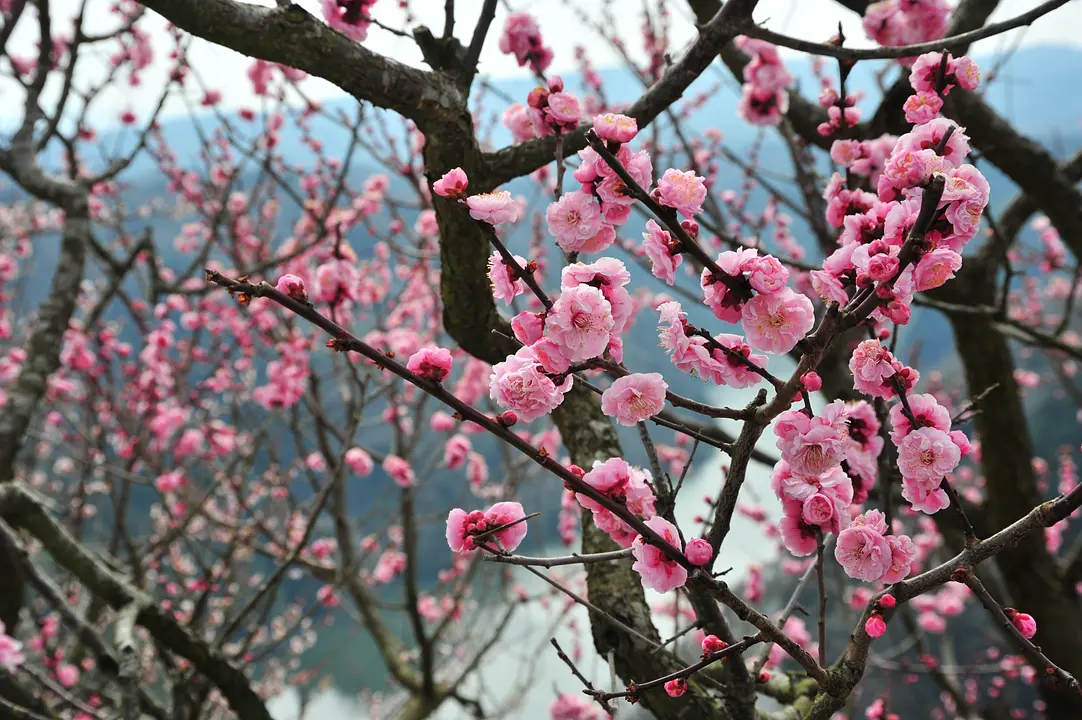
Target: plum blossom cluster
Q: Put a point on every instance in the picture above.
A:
(875, 226)
(903, 22)
(763, 98)
(713, 359)
(585, 322)
(522, 38)
(827, 468)
(584, 220)
(867, 551)
(932, 77)
(755, 293)
(928, 450)
(463, 527)
(624, 484)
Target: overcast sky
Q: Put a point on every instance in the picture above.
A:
(561, 28)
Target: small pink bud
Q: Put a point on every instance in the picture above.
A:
(875, 627)
(959, 438)
(698, 551)
(691, 228)
(556, 84)
(507, 418)
(576, 471)
(811, 381)
(712, 644)
(764, 677)
(887, 602)
(1024, 623)
(676, 687)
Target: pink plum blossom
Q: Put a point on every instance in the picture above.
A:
(359, 461)
(927, 455)
(658, 571)
(400, 470)
(663, 252)
(634, 398)
(574, 220)
(776, 322)
(615, 127)
(863, 552)
(684, 191)
(698, 552)
(580, 323)
(430, 363)
(292, 286)
(520, 384)
(452, 185)
(463, 526)
(506, 285)
(494, 208)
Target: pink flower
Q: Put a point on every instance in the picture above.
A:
(574, 220)
(452, 185)
(935, 268)
(922, 107)
(927, 411)
(658, 571)
(528, 327)
(799, 538)
(67, 675)
(521, 122)
(463, 526)
(923, 497)
(570, 706)
(430, 363)
(563, 109)
(580, 323)
(350, 17)
(812, 446)
(712, 643)
(519, 383)
(506, 284)
(11, 655)
(818, 510)
(292, 286)
(767, 274)
(634, 398)
(615, 127)
(610, 276)
(170, 482)
(676, 688)
(684, 191)
(875, 626)
(494, 207)
(399, 470)
(621, 482)
(888, 601)
(455, 451)
(927, 455)
(775, 323)
(811, 381)
(872, 366)
(522, 38)
(359, 461)
(845, 152)
(698, 552)
(1024, 623)
(902, 554)
(551, 356)
(863, 552)
(663, 251)
(762, 107)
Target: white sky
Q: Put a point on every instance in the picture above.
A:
(225, 70)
